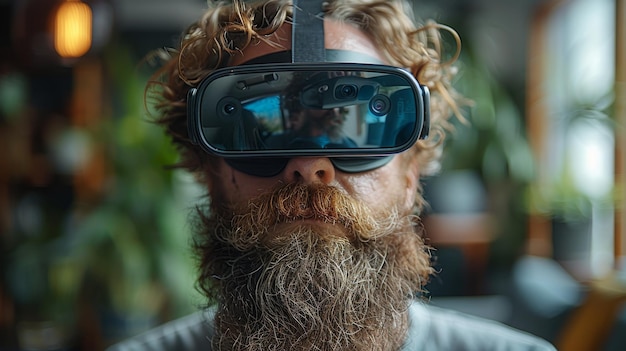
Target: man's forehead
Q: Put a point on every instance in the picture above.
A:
(338, 35)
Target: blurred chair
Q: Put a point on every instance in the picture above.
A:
(616, 340)
(599, 323)
(458, 225)
(543, 296)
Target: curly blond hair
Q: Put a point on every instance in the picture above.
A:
(228, 27)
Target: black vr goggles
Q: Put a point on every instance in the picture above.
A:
(308, 102)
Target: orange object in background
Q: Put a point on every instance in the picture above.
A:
(72, 29)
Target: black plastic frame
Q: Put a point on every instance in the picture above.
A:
(196, 96)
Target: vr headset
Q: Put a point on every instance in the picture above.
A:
(308, 102)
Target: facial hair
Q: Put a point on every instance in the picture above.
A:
(308, 267)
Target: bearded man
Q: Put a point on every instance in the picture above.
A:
(313, 248)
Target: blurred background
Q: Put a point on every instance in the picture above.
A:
(526, 216)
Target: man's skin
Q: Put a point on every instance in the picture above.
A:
(314, 258)
(394, 184)
(339, 269)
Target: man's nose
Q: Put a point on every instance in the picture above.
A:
(309, 170)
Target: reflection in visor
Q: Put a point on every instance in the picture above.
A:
(372, 110)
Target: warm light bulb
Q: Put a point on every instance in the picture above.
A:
(72, 29)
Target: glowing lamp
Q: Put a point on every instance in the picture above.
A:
(72, 29)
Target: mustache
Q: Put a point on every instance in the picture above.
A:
(304, 204)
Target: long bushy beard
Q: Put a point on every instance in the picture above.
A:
(309, 268)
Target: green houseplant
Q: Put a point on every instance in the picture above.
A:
(133, 240)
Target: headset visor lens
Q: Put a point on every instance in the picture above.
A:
(330, 109)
